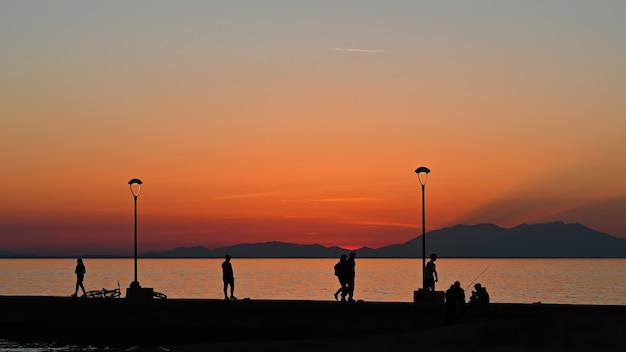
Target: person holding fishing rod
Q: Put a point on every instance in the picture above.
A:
(480, 296)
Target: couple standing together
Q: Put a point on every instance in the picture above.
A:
(345, 272)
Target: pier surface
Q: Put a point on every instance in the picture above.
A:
(201, 324)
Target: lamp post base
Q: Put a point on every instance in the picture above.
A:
(423, 296)
(136, 292)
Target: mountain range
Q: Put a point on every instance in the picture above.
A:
(548, 240)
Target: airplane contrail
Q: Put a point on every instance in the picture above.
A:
(355, 50)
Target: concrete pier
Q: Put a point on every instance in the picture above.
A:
(119, 323)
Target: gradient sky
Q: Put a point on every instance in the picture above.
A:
(303, 121)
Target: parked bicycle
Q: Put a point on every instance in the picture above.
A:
(117, 293)
(105, 293)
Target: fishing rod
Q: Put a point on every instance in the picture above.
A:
(476, 278)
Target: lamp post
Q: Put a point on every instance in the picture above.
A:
(422, 176)
(135, 188)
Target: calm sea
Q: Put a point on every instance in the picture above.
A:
(565, 281)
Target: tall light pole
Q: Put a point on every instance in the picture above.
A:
(135, 188)
(422, 176)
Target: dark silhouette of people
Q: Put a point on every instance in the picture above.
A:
(455, 299)
(351, 273)
(430, 273)
(343, 275)
(80, 276)
(228, 277)
(480, 296)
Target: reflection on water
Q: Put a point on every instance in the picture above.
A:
(566, 281)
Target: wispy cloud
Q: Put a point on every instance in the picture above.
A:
(246, 195)
(356, 50)
(382, 224)
(352, 199)
(355, 185)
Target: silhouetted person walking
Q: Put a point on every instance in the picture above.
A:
(480, 296)
(430, 273)
(228, 277)
(351, 273)
(455, 299)
(80, 276)
(343, 275)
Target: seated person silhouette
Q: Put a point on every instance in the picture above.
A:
(455, 299)
(480, 296)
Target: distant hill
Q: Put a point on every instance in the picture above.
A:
(9, 254)
(549, 240)
(253, 250)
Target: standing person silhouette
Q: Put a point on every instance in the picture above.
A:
(80, 276)
(430, 273)
(351, 273)
(228, 277)
(341, 271)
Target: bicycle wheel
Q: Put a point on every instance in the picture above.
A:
(112, 293)
(94, 294)
(159, 295)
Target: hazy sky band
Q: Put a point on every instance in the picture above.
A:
(253, 121)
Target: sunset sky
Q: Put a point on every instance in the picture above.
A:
(303, 121)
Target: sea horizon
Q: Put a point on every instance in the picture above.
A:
(276, 257)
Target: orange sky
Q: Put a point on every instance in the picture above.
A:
(304, 123)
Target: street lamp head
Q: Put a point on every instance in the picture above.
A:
(135, 190)
(422, 171)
